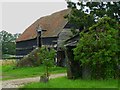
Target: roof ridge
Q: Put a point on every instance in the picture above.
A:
(50, 23)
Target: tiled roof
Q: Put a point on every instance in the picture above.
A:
(53, 23)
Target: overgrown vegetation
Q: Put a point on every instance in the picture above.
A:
(37, 57)
(98, 49)
(31, 59)
(63, 82)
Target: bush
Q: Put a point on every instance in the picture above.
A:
(37, 57)
(31, 59)
(98, 48)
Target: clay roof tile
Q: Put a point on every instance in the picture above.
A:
(53, 24)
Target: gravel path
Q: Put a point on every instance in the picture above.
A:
(20, 82)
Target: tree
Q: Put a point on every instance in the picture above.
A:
(85, 14)
(99, 49)
(8, 42)
(47, 55)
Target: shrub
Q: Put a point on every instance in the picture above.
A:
(31, 59)
(98, 48)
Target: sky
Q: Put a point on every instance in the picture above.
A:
(17, 16)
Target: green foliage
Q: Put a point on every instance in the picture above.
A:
(32, 59)
(74, 31)
(99, 45)
(47, 55)
(84, 15)
(99, 48)
(8, 42)
(37, 57)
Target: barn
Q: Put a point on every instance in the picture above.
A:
(55, 26)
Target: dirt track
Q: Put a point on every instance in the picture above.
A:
(20, 82)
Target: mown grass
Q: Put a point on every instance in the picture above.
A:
(11, 72)
(63, 82)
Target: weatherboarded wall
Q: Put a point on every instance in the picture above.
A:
(25, 47)
(63, 36)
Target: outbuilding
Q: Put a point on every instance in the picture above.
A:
(55, 31)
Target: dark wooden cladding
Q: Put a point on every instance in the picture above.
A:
(61, 58)
(26, 43)
(25, 47)
(49, 41)
(74, 68)
(23, 52)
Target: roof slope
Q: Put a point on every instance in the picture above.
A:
(53, 23)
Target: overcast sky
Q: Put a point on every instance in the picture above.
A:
(17, 16)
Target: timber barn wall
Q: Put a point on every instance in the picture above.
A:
(25, 47)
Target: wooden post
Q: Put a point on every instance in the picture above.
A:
(39, 44)
(39, 34)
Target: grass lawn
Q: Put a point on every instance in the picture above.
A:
(63, 82)
(9, 72)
